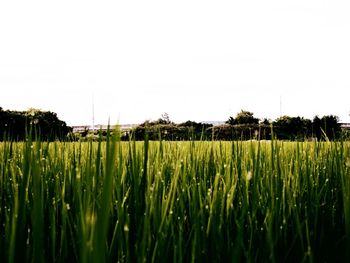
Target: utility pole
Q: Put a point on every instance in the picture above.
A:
(93, 113)
(280, 105)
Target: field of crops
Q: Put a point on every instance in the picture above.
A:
(267, 201)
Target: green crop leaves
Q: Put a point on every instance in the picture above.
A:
(111, 201)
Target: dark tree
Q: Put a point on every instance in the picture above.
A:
(243, 117)
(292, 128)
(317, 128)
(16, 125)
(231, 121)
(163, 120)
(265, 121)
(328, 127)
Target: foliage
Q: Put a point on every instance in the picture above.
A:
(327, 126)
(285, 128)
(165, 129)
(15, 124)
(243, 117)
(296, 128)
(241, 132)
(163, 120)
(173, 132)
(292, 128)
(174, 201)
(243, 127)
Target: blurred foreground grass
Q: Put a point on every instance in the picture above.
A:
(174, 201)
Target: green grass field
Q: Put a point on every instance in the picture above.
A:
(174, 201)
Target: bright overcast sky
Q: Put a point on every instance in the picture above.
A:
(198, 60)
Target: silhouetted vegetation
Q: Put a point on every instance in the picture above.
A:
(297, 128)
(189, 130)
(244, 126)
(16, 125)
(243, 117)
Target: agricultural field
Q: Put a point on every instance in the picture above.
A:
(158, 201)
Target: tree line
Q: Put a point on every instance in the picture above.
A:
(244, 126)
(18, 125)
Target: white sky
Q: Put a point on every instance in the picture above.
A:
(199, 60)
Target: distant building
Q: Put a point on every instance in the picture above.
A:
(345, 126)
(82, 128)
